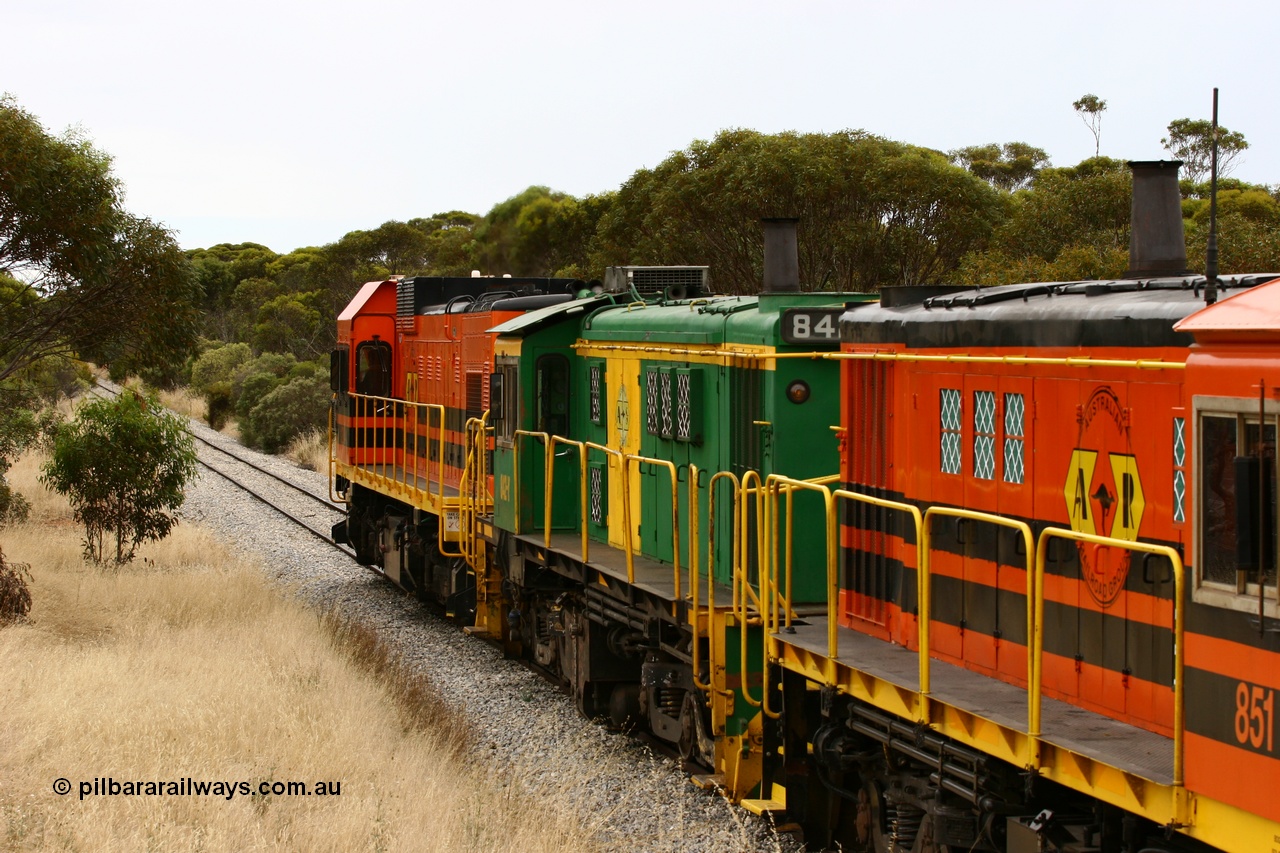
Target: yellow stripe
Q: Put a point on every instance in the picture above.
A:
(737, 354)
(507, 346)
(1145, 364)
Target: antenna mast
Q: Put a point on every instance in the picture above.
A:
(1211, 251)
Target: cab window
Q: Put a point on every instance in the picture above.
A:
(1237, 503)
(373, 369)
(553, 395)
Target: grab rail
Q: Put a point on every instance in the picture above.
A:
(1179, 629)
(675, 509)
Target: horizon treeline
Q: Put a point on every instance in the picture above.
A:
(873, 213)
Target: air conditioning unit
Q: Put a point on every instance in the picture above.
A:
(658, 282)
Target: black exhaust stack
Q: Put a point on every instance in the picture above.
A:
(781, 256)
(1157, 245)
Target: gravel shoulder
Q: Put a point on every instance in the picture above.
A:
(523, 728)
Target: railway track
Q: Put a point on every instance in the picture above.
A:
(302, 501)
(292, 513)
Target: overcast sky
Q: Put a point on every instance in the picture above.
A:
(292, 123)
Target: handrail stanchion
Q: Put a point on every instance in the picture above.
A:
(582, 478)
(832, 542)
(675, 510)
(922, 580)
(711, 564)
(1179, 629)
(627, 544)
(515, 459)
(741, 575)
(694, 545)
(1033, 618)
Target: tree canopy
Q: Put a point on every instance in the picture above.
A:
(83, 276)
(1090, 109)
(1012, 166)
(1191, 141)
(872, 212)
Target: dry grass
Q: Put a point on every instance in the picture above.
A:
(47, 506)
(185, 402)
(187, 665)
(310, 450)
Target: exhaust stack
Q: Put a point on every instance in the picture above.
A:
(1157, 245)
(781, 257)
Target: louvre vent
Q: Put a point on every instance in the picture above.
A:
(673, 282)
(404, 304)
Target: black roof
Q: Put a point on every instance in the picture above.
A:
(1130, 313)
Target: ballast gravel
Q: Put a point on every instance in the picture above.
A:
(523, 728)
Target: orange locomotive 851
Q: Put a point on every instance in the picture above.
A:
(1055, 621)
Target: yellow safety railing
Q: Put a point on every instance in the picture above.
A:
(776, 603)
(474, 498)
(776, 594)
(711, 570)
(923, 590)
(675, 510)
(333, 461)
(1028, 543)
(582, 487)
(515, 462)
(384, 456)
(627, 545)
(742, 569)
(1179, 629)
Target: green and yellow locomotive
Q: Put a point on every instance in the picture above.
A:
(599, 505)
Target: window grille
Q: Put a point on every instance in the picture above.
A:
(950, 411)
(1014, 434)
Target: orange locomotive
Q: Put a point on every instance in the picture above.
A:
(420, 352)
(1057, 540)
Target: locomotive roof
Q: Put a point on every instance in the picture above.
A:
(1132, 313)
(1252, 314)
(712, 320)
(750, 320)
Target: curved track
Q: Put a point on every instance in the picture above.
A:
(291, 514)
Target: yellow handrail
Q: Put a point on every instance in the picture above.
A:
(957, 358)
(675, 510)
(742, 569)
(1179, 628)
(582, 489)
(711, 574)
(1033, 620)
(626, 504)
(474, 499)
(333, 495)
(694, 562)
(515, 462)
(776, 484)
(922, 572)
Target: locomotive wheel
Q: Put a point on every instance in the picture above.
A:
(420, 571)
(363, 538)
(872, 825)
(694, 741)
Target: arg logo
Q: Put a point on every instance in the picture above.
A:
(1104, 493)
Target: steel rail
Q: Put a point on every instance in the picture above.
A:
(328, 504)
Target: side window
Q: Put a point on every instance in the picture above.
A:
(553, 395)
(984, 435)
(373, 368)
(1014, 435)
(1237, 502)
(504, 400)
(949, 402)
(339, 361)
